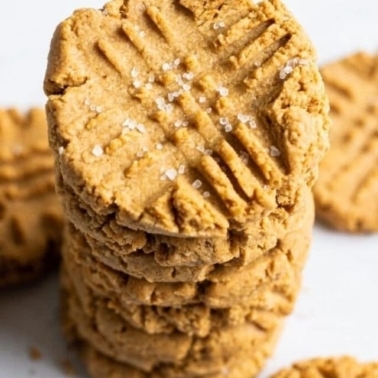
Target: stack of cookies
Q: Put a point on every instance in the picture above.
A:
(187, 136)
(30, 212)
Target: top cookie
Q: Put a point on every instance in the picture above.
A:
(343, 367)
(183, 116)
(348, 178)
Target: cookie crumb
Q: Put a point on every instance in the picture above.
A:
(35, 354)
(68, 368)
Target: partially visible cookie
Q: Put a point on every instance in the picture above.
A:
(186, 117)
(225, 286)
(119, 243)
(342, 367)
(31, 217)
(270, 301)
(109, 333)
(347, 189)
(241, 366)
(148, 262)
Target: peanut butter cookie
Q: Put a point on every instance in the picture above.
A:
(240, 366)
(225, 285)
(185, 117)
(342, 367)
(153, 261)
(30, 212)
(348, 182)
(110, 334)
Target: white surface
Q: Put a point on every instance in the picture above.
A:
(337, 312)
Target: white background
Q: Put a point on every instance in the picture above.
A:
(337, 312)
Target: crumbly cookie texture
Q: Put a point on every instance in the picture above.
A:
(342, 367)
(238, 364)
(185, 117)
(225, 286)
(31, 217)
(241, 366)
(270, 301)
(195, 258)
(110, 334)
(349, 175)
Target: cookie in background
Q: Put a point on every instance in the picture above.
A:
(347, 191)
(31, 217)
(340, 367)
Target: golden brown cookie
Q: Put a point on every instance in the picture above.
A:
(113, 242)
(225, 286)
(185, 117)
(31, 217)
(199, 362)
(348, 182)
(150, 263)
(241, 366)
(263, 308)
(342, 367)
(110, 334)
